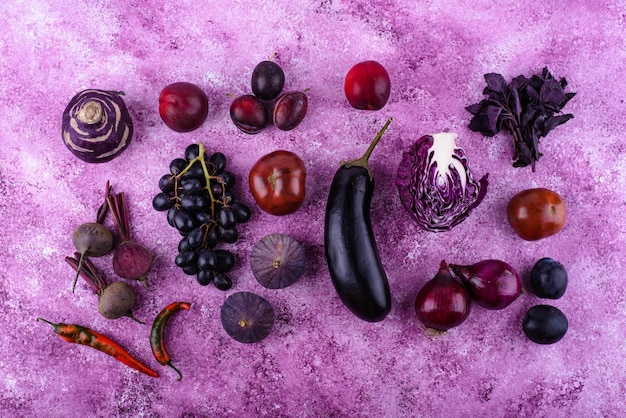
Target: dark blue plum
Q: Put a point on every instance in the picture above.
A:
(548, 279)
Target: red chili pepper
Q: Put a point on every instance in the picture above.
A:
(77, 334)
(156, 335)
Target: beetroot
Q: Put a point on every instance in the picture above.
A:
(131, 261)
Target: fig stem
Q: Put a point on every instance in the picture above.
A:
(363, 161)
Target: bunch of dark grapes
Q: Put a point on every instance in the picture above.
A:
(198, 197)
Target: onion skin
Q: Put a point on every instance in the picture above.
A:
(493, 284)
(442, 303)
(96, 126)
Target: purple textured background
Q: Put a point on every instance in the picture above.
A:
(320, 360)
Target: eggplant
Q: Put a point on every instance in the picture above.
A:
(351, 253)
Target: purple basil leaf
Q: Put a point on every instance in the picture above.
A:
(552, 95)
(521, 156)
(514, 103)
(531, 93)
(475, 108)
(496, 82)
(568, 97)
(527, 115)
(546, 75)
(554, 121)
(518, 83)
(486, 122)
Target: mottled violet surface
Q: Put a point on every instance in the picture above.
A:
(320, 360)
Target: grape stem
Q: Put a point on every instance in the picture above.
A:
(207, 177)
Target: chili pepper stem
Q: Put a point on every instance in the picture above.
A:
(363, 161)
(180, 375)
(48, 322)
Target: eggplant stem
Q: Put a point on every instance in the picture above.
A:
(363, 161)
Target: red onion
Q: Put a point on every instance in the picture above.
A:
(442, 303)
(96, 126)
(493, 284)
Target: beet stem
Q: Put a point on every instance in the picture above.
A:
(117, 204)
(87, 271)
(104, 208)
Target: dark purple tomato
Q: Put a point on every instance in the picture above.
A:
(367, 86)
(290, 110)
(248, 114)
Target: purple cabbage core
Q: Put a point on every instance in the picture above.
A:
(435, 183)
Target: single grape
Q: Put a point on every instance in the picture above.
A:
(229, 236)
(171, 213)
(218, 160)
(186, 258)
(183, 245)
(205, 277)
(222, 281)
(225, 261)
(548, 279)
(195, 171)
(290, 110)
(191, 270)
(183, 221)
(162, 202)
(177, 165)
(248, 114)
(228, 179)
(195, 236)
(191, 186)
(192, 203)
(241, 211)
(203, 217)
(216, 189)
(192, 151)
(226, 218)
(211, 239)
(166, 183)
(268, 80)
(207, 259)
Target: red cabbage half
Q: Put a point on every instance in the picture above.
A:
(435, 183)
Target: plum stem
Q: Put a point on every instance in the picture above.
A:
(363, 161)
